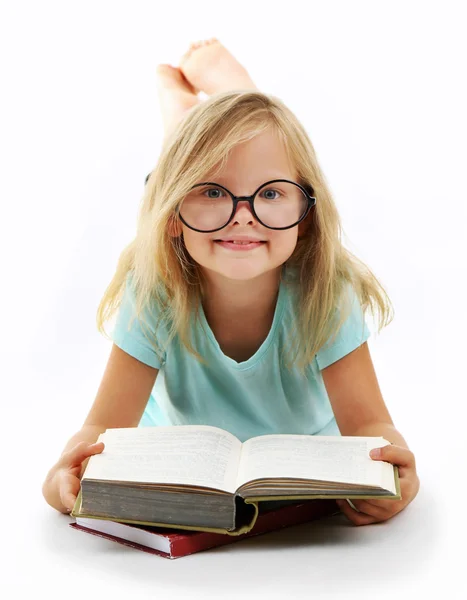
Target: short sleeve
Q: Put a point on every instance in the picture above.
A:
(352, 334)
(131, 335)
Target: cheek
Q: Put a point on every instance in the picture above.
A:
(284, 242)
(195, 243)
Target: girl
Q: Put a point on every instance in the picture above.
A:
(238, 305)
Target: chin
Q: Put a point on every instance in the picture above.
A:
(242, 274)
(239, 270)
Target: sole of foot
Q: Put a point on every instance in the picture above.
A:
(211, 68)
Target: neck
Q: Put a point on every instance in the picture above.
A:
(232, 299)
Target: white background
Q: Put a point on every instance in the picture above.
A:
(380, 88)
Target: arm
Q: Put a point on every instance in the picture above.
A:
(120, 402)
(360, 410)
(356, 398)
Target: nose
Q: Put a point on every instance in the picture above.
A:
(243, 212)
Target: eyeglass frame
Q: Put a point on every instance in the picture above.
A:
(250, 199)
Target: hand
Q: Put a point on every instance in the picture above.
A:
(66, 477)
(374, 511)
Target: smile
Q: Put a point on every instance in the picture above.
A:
(240, 246)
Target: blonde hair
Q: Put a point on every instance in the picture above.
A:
(164, 273)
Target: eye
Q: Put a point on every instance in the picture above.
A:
(217, 191)
(270, 191)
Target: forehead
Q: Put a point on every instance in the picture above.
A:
(255, 161)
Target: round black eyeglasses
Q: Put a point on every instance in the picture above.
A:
(311, 201)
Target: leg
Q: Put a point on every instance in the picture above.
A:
(176, 96)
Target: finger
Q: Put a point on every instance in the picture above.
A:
(396, 455)
(69, 488)
(80, 452)
(354, 516)
(388, 506)
(375, 510)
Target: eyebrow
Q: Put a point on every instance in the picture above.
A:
(221, 181)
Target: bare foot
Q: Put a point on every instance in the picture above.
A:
(176, 96)
(210, 68)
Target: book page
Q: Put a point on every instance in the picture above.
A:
(180, 454)
(329, 458)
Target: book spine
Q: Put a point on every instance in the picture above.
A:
(113, 538)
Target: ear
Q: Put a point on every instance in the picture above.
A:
(174, 227)
(304, 226)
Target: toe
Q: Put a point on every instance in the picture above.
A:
(188, 53)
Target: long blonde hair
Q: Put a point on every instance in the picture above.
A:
(164, 273)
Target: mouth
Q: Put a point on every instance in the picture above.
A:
(240, 245)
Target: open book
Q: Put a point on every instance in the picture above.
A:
(203, 478)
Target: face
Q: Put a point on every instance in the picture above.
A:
(249, 165)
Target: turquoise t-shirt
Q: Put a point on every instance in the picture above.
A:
(254, 397)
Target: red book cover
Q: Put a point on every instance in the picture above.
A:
(174, 543)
